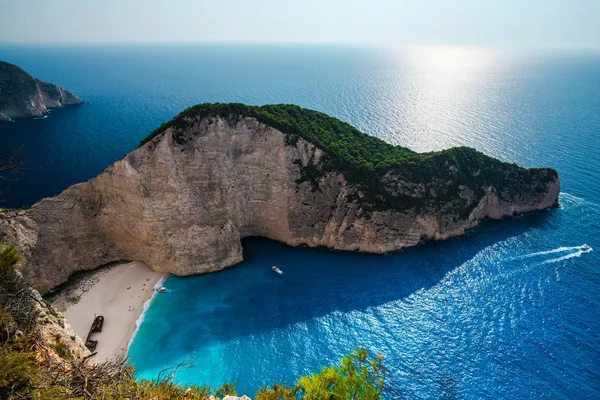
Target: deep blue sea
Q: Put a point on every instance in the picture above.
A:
(508, 311)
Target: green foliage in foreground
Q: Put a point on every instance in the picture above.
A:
(17, 310)
(356, 377)
(32, 369)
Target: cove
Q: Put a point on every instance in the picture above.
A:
(449, 317)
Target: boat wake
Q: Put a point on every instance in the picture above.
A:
(553, 251)
(560, 253)
(583, 249)
(529, 261)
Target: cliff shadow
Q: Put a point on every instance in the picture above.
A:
(203, 311)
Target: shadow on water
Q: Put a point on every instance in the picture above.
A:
(250, 299)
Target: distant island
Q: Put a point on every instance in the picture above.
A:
(216, 173)
(23, 96)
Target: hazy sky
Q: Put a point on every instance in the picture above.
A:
(389, 22)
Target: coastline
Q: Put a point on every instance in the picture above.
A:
(140, 318)
(122, 294)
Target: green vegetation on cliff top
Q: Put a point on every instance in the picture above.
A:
(365, 159)
(340, 139)
(15, 84)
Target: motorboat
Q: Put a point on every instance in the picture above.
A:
(585, 247)
(274, 268)
(161, 289)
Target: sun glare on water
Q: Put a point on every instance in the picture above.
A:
(444, 83)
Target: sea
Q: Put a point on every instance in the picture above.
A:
(508, 311)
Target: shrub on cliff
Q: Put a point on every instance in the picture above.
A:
(18, 369)
(17, 308)
(19, 375)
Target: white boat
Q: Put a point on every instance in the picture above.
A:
(161, 289)
(274, 268)
(585, 247)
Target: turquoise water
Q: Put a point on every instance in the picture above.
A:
(509, 311)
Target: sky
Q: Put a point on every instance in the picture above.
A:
(544, 23)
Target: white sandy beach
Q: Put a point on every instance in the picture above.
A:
(117, 293)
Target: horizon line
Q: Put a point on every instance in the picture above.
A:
(301, 43)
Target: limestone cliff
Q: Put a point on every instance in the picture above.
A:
(23, 96)
(183, 200)
(56, 333)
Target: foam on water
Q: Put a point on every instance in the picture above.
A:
(574, 251)
(568, 256)
(140, 319)
(543, 253)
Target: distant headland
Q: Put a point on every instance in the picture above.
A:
(23, 96)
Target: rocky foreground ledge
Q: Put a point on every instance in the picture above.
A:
(217, 173)
(23, 96)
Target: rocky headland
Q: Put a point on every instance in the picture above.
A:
(23, 96)
(183, 200)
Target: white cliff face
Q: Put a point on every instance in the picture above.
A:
(183, 207)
